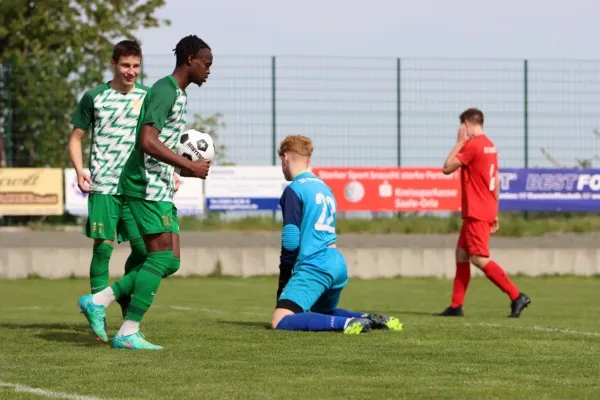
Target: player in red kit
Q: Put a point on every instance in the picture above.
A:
(476, 155)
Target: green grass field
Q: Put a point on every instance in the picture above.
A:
(217, 345)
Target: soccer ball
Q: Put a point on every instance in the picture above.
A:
(195, 145)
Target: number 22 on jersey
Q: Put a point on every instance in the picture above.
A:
(327, 213)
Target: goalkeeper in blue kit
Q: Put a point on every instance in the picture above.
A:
(313, 271)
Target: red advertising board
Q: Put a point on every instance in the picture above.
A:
(392, 189)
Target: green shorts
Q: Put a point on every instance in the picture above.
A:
(153, 217)
(109, 214)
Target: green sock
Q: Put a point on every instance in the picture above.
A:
(174, 267)
(99, 266)
(124, 287)
(137, 256)
(147, 283)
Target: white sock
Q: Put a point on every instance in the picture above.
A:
(129, 328)
(104, 298)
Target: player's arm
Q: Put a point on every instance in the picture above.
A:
(458, 156)
(177, 180)
(496, 223)
(497, 187)
(461, 154)
(81, 121)
(157, 105)
(452, 162)
(75, 149)
(151, 144)
(291, 209)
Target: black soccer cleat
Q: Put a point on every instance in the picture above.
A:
(380, 321)
(124, 303)
(518, 305)
(451, 312)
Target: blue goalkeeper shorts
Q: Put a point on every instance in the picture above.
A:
(316, 283)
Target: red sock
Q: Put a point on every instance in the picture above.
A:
(496, 274)
(461, 281)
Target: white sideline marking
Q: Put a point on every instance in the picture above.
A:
(45, 393)
(535, 328)
(181, 308)
(542, 329)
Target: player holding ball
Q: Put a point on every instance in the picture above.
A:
(476, 155)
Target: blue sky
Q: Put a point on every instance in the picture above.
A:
(386, 28)
(336, 75)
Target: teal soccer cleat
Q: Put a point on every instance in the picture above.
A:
(137, 341)
(96, 316)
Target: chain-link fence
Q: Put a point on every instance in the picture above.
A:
(381, 111)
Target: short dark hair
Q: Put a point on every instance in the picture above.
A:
(187, 47)
(473, 115)
(126, 48)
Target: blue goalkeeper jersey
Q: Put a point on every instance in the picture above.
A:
(309, 216)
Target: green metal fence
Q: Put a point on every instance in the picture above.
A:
(382, 111)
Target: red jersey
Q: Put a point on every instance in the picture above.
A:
(478, 178)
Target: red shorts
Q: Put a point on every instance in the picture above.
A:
(475, 237)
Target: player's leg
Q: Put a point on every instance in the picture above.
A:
(127, 231)
(284, 277)
(328, 302)
(478, 236)
(154, 219)
(462, 277)
(176, 263)
(101, 225)
(300, 294)
(123, 288)
(103, 215)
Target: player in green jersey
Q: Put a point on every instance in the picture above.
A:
(147, 184)
(110, 113)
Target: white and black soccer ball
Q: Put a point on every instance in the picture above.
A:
(195, 145)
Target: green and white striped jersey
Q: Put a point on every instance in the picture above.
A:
(113, 119)
(144, 176)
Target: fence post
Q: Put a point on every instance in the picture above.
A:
(526, 112)
(274, 116)
(8, 123)
(526, 120)
(398, 117)
(8, 126)
(273, 111)
(398, 111)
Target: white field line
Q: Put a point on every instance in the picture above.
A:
(534, 328)
(44, 393)
(537, 328)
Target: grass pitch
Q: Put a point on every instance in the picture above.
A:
(217, 345)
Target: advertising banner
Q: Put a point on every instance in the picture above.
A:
(31, 191)
(392, 189)
(549, 189)
(189, 199)
(244, 188)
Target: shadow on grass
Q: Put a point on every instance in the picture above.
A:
(404, 312)
(249, 324)
(77, 334)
